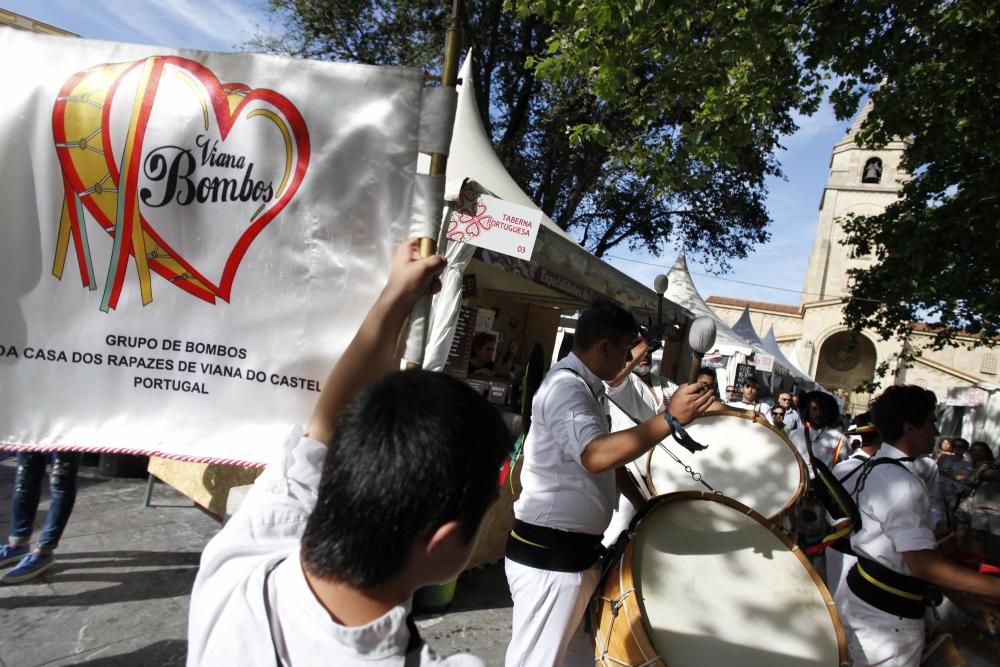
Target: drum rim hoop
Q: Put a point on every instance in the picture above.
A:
(749, 416)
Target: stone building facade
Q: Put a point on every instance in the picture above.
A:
(862, 182)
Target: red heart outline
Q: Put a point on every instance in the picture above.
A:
(217, 92)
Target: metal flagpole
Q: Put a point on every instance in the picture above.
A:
(439, 161)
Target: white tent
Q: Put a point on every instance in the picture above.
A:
(771, 344)
(562, 273)
(681, 290)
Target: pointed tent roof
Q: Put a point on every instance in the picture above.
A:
(681, 290)
(471, 156)
(744, 327)
(770, 344)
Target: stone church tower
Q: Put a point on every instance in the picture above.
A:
(861, 182)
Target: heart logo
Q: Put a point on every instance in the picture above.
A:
(182, 171)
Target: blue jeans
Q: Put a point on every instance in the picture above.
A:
(28, 493)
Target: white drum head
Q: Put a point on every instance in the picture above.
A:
(746, 461)
(718, 587)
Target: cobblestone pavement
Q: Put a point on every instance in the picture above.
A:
(120, 590)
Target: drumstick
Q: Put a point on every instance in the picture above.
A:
(701, 338)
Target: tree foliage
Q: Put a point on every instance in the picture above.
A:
(930, 69)
(634, 122)
(628, 123)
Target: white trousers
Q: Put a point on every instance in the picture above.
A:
(837, 567)
(549, 608)
(877, 638)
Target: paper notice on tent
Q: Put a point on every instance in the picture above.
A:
(190, 239)
(969, 397)
(764, 362)
(494, 224)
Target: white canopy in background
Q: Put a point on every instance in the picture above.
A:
(681, 290)
(556, 256)
(744, 328)
(771, 344)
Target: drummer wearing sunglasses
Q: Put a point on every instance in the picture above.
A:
(569, 487)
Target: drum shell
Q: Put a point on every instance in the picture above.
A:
(623, 636)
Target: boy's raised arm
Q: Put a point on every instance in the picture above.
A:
(372, 352)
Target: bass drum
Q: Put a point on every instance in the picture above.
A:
(705, 580)
(747, 459)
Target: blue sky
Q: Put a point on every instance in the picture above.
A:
(222, 25)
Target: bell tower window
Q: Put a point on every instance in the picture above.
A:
(873, 171)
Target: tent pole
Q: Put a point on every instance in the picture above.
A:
(439, 161)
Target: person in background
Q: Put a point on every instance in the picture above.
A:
(778, 419)
(955, 473)
(980, 510)
(792, 419)
(750, 399)
(821, 431)
(481, 361)
(30, 563)
(839, 558)
(730, 394)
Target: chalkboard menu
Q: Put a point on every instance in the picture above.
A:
(457, 364)
(743, 371)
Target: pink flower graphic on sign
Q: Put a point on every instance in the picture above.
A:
(470, 218)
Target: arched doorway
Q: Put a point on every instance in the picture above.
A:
(846, 360)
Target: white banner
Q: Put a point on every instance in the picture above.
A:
(189, 239)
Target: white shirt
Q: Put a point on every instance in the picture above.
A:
(762, 408)
(634, 398)
(567, 414)
(927, 468)
(228, 624)
(824, 446)
(639, 401)
(895, 513)
(792, 419)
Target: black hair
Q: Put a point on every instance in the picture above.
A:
(868, 438)
(480, 340)
(902, 404)
(750, 381)
(705, 370)
(979, 444)
(413, 451)
(603, 320)
(829, 410)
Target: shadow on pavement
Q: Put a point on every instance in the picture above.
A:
(127, 572)
(166, 652)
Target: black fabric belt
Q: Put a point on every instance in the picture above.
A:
(843, 545)
(553, 549)
(888, 590)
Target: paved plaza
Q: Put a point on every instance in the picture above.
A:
(120, 590)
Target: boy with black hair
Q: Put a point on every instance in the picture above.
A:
(382, 494)
(882, 605)
(750, 390)
(569, 488)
